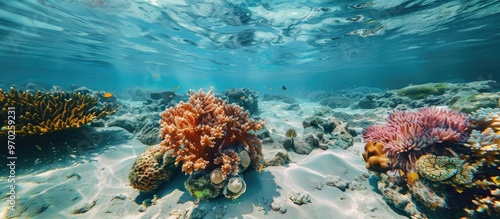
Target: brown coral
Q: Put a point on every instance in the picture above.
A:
(206, 132)
(153, 167)
(48, 112)
(375, 158)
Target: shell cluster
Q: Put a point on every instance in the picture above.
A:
(205, 186)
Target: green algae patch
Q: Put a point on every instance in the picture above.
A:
(471, 103)
(417, 92)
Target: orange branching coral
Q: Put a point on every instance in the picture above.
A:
(206, 133)
(375, 158)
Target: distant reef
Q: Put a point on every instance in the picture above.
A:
(462, 97)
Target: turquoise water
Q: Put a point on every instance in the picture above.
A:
(307, 45)
(326, 72)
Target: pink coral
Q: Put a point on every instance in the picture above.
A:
(206, 132)
(407, 133)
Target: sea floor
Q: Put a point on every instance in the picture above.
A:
(93, 183)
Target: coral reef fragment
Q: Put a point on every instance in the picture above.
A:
(42, 112)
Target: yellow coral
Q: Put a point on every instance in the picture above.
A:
(48, 112)
(411, 177)
(375, 157)
(496, 180)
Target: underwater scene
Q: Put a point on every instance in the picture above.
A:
(195, 109)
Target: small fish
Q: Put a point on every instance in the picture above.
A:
(242, 98)
(370, 21)
(39, 148)
(155, 75)
(176, 88)
(260, 168)
(107, 95)
(499, 102)
(270, 88)
(283, 87)
(212, 87)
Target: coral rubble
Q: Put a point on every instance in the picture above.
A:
(328, 131)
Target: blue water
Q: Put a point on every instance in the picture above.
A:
(306, 45)
(263, 45)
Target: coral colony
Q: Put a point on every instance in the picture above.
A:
(434, 157)
(407, 135)
(49, 112)
(210, 139)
